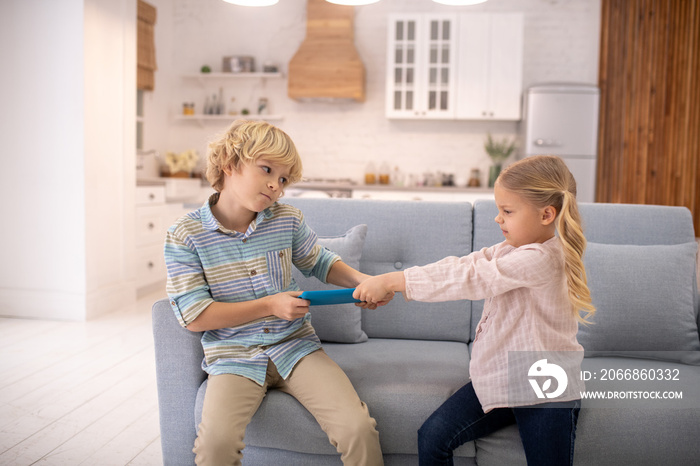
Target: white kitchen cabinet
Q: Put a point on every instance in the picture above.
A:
(212, 82)
(421, 66)
(490, 63)
(448, 66)
(153, 218)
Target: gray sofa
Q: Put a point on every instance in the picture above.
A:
(406, 358)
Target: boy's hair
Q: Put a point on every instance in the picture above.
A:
(244, 142)
(545, 180)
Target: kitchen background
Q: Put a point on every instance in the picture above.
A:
(339, 139)
(77, 225)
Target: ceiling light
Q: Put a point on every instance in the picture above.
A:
(352, 2)
(252, 2)
(459, 2)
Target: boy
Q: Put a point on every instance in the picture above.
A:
(229, 276)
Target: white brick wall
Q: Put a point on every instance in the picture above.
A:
(337, 140)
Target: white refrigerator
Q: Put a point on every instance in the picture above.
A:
(562, 119)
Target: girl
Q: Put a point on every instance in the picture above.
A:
(535, 288)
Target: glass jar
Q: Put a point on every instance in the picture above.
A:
(475, 179)
(384, 177)
(370, 174)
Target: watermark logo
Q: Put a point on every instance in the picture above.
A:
(542, 370)
(641, 379)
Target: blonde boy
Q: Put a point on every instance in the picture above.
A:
(229, 276)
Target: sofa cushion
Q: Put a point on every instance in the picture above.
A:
(402, 384)
(645, 299)
(636, 224)
(341, 323)
(398, 379)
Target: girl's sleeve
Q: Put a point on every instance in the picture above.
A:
(187, 287)
(478, 275)
(308, 256)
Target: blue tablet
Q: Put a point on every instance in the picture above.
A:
(323, 297)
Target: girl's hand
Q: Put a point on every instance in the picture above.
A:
(375, 291)
(367, 305)
(288, 306)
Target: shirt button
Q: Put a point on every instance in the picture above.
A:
(253, 273)
(244, 239)
(266, 330)
(172, 303)
(281, 254)
(398, 265)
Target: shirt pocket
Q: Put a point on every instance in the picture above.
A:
(279, 268)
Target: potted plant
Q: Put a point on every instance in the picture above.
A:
(499, 151)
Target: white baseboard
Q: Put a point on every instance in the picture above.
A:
(61, 305)
(42, 304)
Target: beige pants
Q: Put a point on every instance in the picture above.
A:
(320, 386)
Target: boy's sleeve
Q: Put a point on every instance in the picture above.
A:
(308, 256)
(187, 287)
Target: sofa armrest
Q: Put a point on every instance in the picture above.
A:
(179, 374)
(697, 311)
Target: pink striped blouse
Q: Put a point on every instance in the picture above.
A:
(526, 310)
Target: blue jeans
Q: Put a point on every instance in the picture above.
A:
(547, 432)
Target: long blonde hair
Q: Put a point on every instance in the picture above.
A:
(244, 142)
(545, 180)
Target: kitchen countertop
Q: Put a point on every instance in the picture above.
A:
(151, 181)
(164, 180)
(350, 186)
(337, 186)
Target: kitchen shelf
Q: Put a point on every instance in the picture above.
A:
(250, 116)
(202, 119)
(205, 77)
(208, 79)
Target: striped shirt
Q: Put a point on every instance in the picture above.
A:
(208, 263)
(527, 311)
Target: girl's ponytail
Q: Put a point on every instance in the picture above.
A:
(574, 244)
(545, 180)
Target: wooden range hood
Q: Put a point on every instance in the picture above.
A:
(327, 65)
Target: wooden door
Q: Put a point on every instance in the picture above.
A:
(649, 138)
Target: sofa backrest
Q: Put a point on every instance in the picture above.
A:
(605, 223)
(640, 262)
(402, 234)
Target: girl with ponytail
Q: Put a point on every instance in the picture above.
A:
(534, 284)
(546, 181)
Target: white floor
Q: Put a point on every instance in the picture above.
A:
(76, 393)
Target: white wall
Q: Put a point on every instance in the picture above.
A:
(110, 141)
(338, 140)
(62, 186)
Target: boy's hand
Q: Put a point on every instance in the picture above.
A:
(374, 292)
(288, 306)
